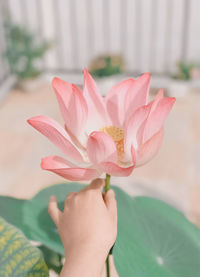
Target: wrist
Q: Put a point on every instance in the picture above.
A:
(83, 262)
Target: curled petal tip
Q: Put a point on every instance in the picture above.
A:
(56, 82)
(31, 120)
(55, 79)
(87, 74)
(170, 101)
(36, 118)
(173, 99)
(85, 71)
(129, 80)
(146, 75)
(42, 163)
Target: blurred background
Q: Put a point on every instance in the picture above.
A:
(114, 39)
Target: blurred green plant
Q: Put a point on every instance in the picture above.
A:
(107, 65)
(184, 70)
(187, 71)
(17, 256)
(52, 259)
(23, 51)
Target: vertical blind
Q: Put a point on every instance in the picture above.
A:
(4, 68)
(151, 35)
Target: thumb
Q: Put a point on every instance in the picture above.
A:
(53, 210)
(111, 203)
(97, 184)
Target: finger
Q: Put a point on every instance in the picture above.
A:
(53, 210)
(70, 195)
(111, 203)
(68, 198)
(97, 184)
(113, 271)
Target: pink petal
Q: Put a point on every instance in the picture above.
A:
(116, 170)
(101, 148)
(63, 168)
(157, 117)
(72, 105)
(137, 95)
(55, 162)
(115, 102)
(139, 129)
(159, 96)
(149, 149)
(134, 126)
(97, 116)
(56, 134)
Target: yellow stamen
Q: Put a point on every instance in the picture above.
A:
(117, 134)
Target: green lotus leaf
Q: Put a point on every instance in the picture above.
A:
(52, 259)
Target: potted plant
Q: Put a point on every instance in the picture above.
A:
(23, 54)
(107, 69)
(180, 84)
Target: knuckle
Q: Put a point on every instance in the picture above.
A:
(76, 196)
(75, 199)
(69, 195)
(90, 194)
(87, 193)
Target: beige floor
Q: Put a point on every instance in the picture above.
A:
(173, 175)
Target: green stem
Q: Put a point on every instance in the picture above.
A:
(107, 266)
(107, 187)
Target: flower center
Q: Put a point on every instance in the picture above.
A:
(117, 134)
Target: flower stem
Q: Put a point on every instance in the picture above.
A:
(107, 267)
(107, 187)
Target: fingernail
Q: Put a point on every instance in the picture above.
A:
(111, 191)
(52, 198)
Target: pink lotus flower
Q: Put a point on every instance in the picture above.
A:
(111, 135)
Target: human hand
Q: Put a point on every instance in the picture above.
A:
(87, 227)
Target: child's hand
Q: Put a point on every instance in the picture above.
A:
(87, 227)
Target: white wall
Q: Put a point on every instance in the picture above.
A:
(149, 33)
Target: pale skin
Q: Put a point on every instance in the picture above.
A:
(88, 229)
